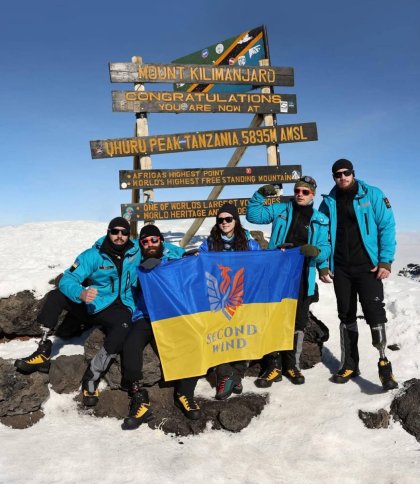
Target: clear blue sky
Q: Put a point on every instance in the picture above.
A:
(357, 75)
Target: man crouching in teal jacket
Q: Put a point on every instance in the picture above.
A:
(97, 289)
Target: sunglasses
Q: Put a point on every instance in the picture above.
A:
(220, 220)
(149, 240)
(119, 231)
(339, 174)
(303, 191)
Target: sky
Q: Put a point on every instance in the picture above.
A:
(305, 434)
(356, 75)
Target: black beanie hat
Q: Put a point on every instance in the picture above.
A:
(342, 163)
(229, 208)
(150, 230)
(119, 222)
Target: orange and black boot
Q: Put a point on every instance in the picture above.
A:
(140, 411)
(39, 360)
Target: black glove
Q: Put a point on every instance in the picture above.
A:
(267, 190)
(309, 250)
(150, 263)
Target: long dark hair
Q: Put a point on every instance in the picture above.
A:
(216, 243)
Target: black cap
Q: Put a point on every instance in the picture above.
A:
(229, 208)
(150, 230)
(118, 222)
(341, 164)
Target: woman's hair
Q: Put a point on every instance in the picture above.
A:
(216, 243)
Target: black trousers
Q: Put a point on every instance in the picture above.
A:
(350, 282)
(141, 334)
(115, 320)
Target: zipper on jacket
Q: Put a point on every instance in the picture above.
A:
(127, 283)
(112, 284)
(366, 223)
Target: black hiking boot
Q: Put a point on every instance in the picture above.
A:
(344, 374)
(39, 360)
(188, 406)
(139, 408)
(295, 376)
(268, 377)
(385, 375)
(90, 392)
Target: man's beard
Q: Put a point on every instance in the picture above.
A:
(155, 251)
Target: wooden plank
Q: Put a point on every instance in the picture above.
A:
(203, 140)
(188, 209)
(201, 102)
(192, 73)
(201, 177)
(216, 191)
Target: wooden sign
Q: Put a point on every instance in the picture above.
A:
(190, 209)
(201, 177)
(191, 74)
(203, 140)
(246, 48)
(200, 102)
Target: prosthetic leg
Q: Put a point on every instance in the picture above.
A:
(384, 366)
(39, 360)
(90, 381)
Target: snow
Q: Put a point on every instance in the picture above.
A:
(306, 434)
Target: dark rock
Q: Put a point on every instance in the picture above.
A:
(113, 375)
(258, 235)
(66, 373)
(112, 403)
(93, 343)
(316, 333)
(412, 271)
(21, 394)
(238, 412)
(310, 356)
(22, 421)
(18, 313)
(375, 420)
(405, 408)
(394, 347)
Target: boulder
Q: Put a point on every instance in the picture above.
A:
(375, 420)
(405, 408)
(21, 394)
(18, 315)
(412, 271)
(66, 373)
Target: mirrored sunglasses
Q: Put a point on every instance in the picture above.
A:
(149, 240)
(304, 191)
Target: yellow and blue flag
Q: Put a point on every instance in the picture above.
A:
(222, 306)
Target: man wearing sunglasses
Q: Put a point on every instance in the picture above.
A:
(154, 250)
(294, 224)
(362, 229)
(97, 289)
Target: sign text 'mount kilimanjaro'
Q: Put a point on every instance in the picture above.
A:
(203, 140)
(199, 177)
(189, 209)
(179, 73)
(202, 102)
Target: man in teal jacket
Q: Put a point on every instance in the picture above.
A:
(294, 224)
(362, 229)
(98, 289)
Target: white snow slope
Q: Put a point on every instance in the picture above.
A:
(306, 434)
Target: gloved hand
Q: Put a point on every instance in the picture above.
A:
(150, 263)
(267, 190)
(309, 250)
